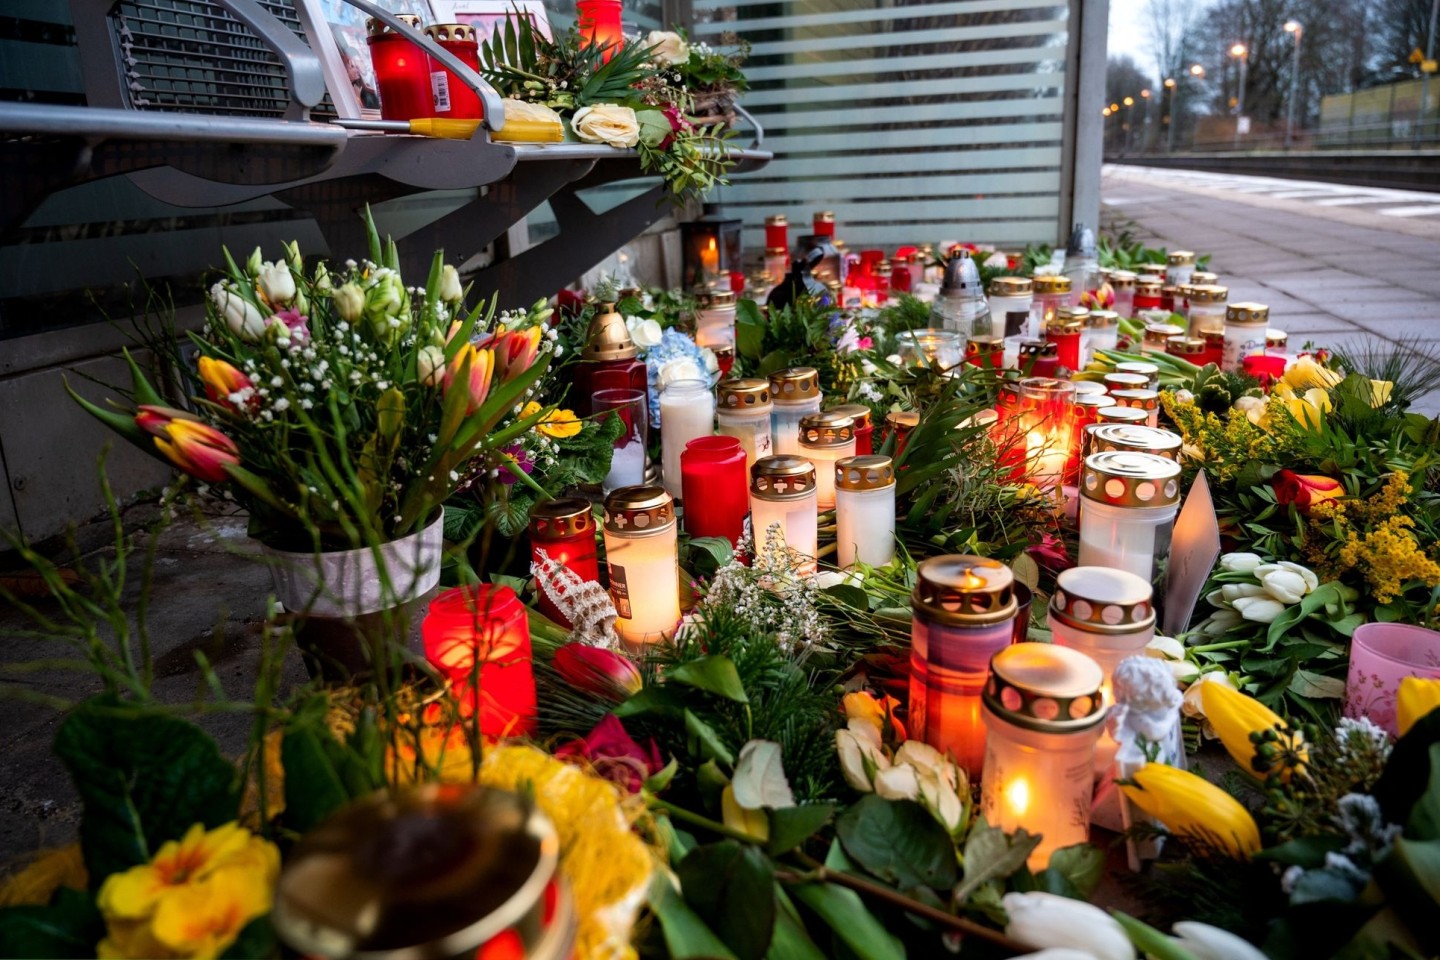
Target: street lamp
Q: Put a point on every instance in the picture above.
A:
(1169, 118)
(1198, 72)
(1239, 52)
(1129, 101)
(1293, 26)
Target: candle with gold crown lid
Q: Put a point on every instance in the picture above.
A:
(782, 492)
(864, 511)
(641, 552)
(1128, 503)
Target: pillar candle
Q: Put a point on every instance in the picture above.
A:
(687, 411)
(641, 552)
(716, 485)
(479, 638)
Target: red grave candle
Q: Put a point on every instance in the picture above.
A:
(450, 96)
(402, 72)
(864, 426)
(984, 350)
(1147, 293)
(823, 224)
(1039, 358)
(599, 23)
(479, 638)
(564, 531)
(777, 232)
(1064, 331)
(715, 486)
(1265, 369)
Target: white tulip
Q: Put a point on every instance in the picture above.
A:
(1216, 598)
(1046, 920)
(349, 302)
(1285, 586)
(1212, 943)
(1259, 609)
(1240, 562)
(1183, 671)
(1219, 622)
(1304, 573)
(430, 365)
(1165, 648)
(240, 315)
(450, 289)
(1238, 591)
(1058, 953)
(276, 283)
(898, 783)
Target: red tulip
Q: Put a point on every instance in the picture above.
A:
(614, 755)
(470, 370)
(605, 674)
(197, 448)
(1305, 490)
(515, 351)
(223, 381)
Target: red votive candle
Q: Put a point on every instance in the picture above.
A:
(1265, 369)
(715, 486)
(900, 423)
(564, 531)
(1214, 348)
(864, 427)
(902, 280)
(777, 232)
(599, 23)
(450, 96)
(1087, 408)
(984, 350)
(402, 72)
(823, 224)
(1039, 358)
(1064, 331)
(479, 638)
(1147, 293)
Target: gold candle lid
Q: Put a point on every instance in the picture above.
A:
(1214, 337)
(1158, 333)
(1208, 293)
(634, 511)
(983, 344)
(776, 252)
(1204, 277)
(1149, 286)
(828, 429)
(1011, 287)
(882, 268)
(607, 337)
(1100, 319)
(1089, 387)
(1052, 283)
(902, 420)
(1118, 414)
(1103, 600)
(1045, 687)
(794, 384)
(1136, 437)
(824, 216)
(1247, 313)
(374, 26)
(745, 392)
(442, 32)
(1171, 290)
(715, 298)
(1123, 478)
(1139, 399)
(1039, 350)
(560, 518)
(1068, 320)
(1009, 396)
(1185, 346)
(1122, 279)
(855, 411)
(777, 220)
(1095, 401)
(1125, 380)
(1179, 258)
(964, 590)
(1276, 339)
(784, 477)
(864, 473)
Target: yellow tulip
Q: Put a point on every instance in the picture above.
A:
(1305, 374)
(1194, 808)
(751, 822)
(1418, 696)
(1235, 716)
(1308, 408)
(1380, 391)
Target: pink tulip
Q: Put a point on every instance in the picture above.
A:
(196, 448)
(603, 673)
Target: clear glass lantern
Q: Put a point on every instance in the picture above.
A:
(782, 491)
(864, 511)
(1128, 503)
(930, 347)
(644, 564)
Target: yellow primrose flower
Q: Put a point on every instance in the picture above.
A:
(202, 919)
(133, 894)
(559, 424)
(1418, 696)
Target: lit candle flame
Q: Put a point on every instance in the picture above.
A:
(1017, 794)
(971, 582)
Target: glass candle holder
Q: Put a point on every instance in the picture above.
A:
(782, 493)
(743, 411)
(1039, 358)
(599, 25)
(627, 463)
(1011, 300)
(642, 554)
(777, 232)
(1159, 334)
(563, 530)
(715, 478)
(864, 427)
(402, 71)
(1102, 332)
(715, 320)
(450, 97)
(985, 351)
(1246, 325)
(1147, 400)
(1051, 293)
(930, 347)
(1207, 307)
(1179, 267)
(1123, 283)
(609, 360)
(1136, 438)
(479, 638)
(687, 411)
(824, 439)
(963, 614)
(1381, 655)
(1043, 713)
(1047, 422)
(794, 393)
(864, 511)
(1067, 331)
(1128, 503)
(899, 424)
(1147, 294)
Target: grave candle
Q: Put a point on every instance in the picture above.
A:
(641, 552)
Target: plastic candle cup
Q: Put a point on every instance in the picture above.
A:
(825, 438)
(1147, 294)
(864, 511)
(1011, 300)
(794, 393)
(1039, 358)
(1124, 380)
(1276, 342)
(985, 351)
(823, 224)
(687, 411)
(564, 531)
(450, 97)
(627, 463)
(1067, 331)
(1147, 400)
(743, 411)
(714, 476)
(1128, 503)
(1043, 713)
(777, 232)
(1207, 307)
(1179, 267)
(782, 492)
(644, 562)
(964, 613)
(715, 320)
(1246, 325)
(1047, 422)
(1123, 283)
(1102, 328)
(1157, 335)
(479, 638)
(1087, 407)
(864, 428)
(899, 423)
(402, 71)
(1051, 293)
(1189, 349)
(599, 25)
(1137, 438)
(1200, 277)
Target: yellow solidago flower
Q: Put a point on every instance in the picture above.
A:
(1389, 556)
(559, 424)
(1418, 696)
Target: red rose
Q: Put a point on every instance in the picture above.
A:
(1305, 490)
(614, 755)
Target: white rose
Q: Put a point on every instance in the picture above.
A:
(1048, 920)
(681, 369)
(860, 755)
(450, 290)
(667, 48)
(276, 283)
(926, 759)
(1165, 648)
(1240, 562)
(997, 261)
(1211, 943)
(712, 362)
(645, 333)
(607, 123)
(898, 783)
(240, 315)
(1259, 609)
(1285, 586)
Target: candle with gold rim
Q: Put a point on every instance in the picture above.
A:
(743, 411)
(564, 531)
(782, 491)
(641, 552)
(794, 393)
(864, 426)
(899, 424)
(864, 511)
(825, 438)
(1246, 326)
(1128, 503)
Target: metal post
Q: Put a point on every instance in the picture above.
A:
(1240, 99)
(1295, 88)
(1429, 55)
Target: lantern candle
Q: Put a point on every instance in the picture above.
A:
(930, 347)
(964, 612)
(1047, 420)
(1147, 400)
(715, 320)
(825, 438)
(782, 493)
(1067, 331)
(985, 351)
(794, 393)
(479, 638)
(608, 361)
(1011, 300)
(1147, 294)
(1123, 283)
(1276, 341)
(714, 477)
(1246, 325)
(641, 551)
(743, 411)
(687, 411)
(864, 511)
(1179, 267)
(402, 71)
(1087, 409)
(563, 530)
(599, 24)
(864, 428)
(1105, 614)
(1128, 503)
(1043, 712)
(900, 423)
(823, 224)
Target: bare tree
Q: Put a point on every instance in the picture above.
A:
(1170, 24)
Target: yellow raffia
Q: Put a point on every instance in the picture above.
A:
(50, 870)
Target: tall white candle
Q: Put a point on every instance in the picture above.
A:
(687, 411)
(825, 438)
(794, 393)
(782, 491)
(865, 511)
(1127, 509)
(644, 566)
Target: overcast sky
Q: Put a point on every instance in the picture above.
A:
(1129, 34)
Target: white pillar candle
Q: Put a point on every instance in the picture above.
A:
(865, 511)
(794, 393)
(824, 439)
(1128, 503)
(687, 411)
(1207, 308)
(1246, 325)
(782, 491)
(715, 321)
(1179, 268)
(644, 564)
(1011, 300)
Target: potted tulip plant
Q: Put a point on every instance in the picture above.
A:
(340, 410)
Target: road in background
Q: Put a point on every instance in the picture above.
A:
(1338, 265)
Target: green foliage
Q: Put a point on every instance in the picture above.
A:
(321, 773)
(69, 926)
(732, 887)
(564, 73)
(899, 842)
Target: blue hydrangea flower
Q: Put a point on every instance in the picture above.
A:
(673, 346)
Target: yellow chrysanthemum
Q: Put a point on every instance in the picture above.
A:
(559, 424)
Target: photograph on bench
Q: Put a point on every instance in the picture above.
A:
(487, 16)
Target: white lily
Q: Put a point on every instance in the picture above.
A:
(1212, 943)
(1259, 609)
(1046, 920)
